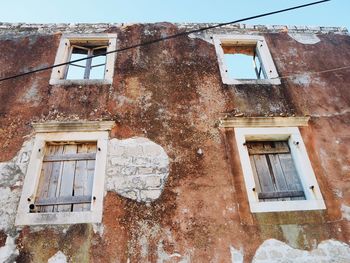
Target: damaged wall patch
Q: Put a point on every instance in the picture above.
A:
(137, 168)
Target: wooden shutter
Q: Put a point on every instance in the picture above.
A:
(66, 178)
(274, 172)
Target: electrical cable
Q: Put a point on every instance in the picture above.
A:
(312, 72)
(164, 38)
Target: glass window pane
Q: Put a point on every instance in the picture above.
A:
(98, 67)
(75, 72)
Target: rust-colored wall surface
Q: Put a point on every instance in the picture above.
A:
(171, 93)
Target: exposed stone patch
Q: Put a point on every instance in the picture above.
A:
(345, 211)
(273, 250)
(137, 168)
(11, 179)
(304, 38)
(59, 257)
(9, 252)
(163, 256)
(32, 95)
(302, 79)
(236, 255)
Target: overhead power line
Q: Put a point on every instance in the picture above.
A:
(312, 72)
(163, 39)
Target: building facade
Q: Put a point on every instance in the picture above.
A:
(166, 152)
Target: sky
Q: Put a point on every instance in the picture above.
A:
(333, 13)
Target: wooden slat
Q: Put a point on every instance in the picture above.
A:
(90, 175)
(279, 178)
(267, 147)
(80, 177)
(256, 178)
(70, 157)
(263, 172)
(281, 194)
(44, 181)
(291, 174)
(83, 178)
(66, 185)
(63, 200)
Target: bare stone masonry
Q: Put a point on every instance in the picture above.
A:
(137, 168)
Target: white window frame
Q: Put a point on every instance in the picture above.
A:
(63, 54)
(263, 54)
(47, 133)
(314, 199)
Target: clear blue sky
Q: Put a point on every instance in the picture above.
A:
(333, 13)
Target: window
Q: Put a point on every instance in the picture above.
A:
(66, 177)
(245, 59)
(89, 70)
(64, 183)
(274, 172)
(277, 171)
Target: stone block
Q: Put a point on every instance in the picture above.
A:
(150, 195)
(145, 170)
(128, 170)
(113, 170)
(123, 183)
(153, 181)
(134, 150)
(132, 194)
(152, 150)
(120, 160)
(142, 161)
(116, 150)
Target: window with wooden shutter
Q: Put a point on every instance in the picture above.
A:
(275, 175)
(66, 178)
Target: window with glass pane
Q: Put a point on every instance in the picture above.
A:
(88, 68)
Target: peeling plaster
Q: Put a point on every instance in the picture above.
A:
(59, 257)
(9, 252)
(273, 250)
(98, 229)
(32, 95)
(345, 211)
(236, 255)
(302, 79)
(174, 257)
(137, 168)
(305, 38)
(291, 233)
(11, 179)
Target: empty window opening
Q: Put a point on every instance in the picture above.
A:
(66, 179)
(90, 68)
(274, 172)
(242, 61)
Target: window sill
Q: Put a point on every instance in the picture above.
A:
(82, 82)
(59, 218)
(286, 206)
(252, 81)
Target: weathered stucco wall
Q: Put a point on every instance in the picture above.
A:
(183, 199)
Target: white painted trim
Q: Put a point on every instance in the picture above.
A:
(33, 175)
(314, 199)
(233, 122)
(62, 56)
(56, 126)
(263, 52)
